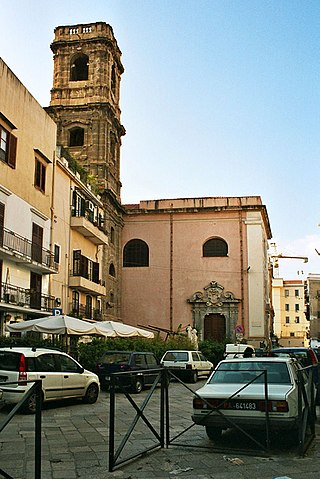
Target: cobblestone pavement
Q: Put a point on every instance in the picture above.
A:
(75, 439)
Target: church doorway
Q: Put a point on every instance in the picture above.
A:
(215, 327)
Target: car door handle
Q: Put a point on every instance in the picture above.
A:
(42, 377)
(65, 377)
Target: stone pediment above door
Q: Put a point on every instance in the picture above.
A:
(213, 295)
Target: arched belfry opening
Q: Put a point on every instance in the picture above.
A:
(215, 312)
(79, 68)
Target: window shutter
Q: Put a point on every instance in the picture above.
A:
(95, 272)
(12, 151)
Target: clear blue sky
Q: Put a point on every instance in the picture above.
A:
(219, 98)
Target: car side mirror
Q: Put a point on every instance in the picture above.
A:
(81, 370)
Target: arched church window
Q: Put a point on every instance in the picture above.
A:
(76, 136)
(215, 247)
(112, 270)
(135, 254)
(112, 146)
(79, 68)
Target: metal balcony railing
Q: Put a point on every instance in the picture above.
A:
(82, 311)
(30, 251)
(26, 298)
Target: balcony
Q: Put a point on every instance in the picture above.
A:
(89, 230)
(87, 286)
(19, 298)
(82, 311)
(22, 250)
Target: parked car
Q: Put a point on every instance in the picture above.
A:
(62, 377)
(187, 365)
(307, 357)
(142, 367)
(229, 390)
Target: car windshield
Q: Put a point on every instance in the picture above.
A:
(116, 358)
(176, 356)
(243, 372)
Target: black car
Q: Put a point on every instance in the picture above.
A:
(307, 357)
(142, 366)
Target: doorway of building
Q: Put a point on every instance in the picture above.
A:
(215, 327)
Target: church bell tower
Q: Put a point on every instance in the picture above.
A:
(85, 106)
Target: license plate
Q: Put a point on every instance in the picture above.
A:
(244, 405)
(3, 379)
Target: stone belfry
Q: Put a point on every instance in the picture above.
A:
(85, 106)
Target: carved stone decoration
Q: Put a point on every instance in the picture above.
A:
(213, 295)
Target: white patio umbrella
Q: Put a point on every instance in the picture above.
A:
(117, 329)
(61, 324)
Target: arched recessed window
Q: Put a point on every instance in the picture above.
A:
(79, 68)
(112, 270)
(136, 253)
(76, 136)
(215, 247)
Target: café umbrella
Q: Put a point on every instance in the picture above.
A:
(61, 324)
(121, 330)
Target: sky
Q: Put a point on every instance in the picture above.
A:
(218, 98)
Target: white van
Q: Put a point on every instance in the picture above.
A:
(239, 351)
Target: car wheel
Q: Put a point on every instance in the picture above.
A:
(137, 386)
(194, 376)
(92, 394)
(213, 433)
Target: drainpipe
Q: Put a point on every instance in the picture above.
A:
(171, 272)
(52, 216)
(241, 265)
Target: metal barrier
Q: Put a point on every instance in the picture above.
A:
(306, 412)
(35, 389)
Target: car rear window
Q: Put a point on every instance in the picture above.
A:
(244, 372)
(9, 360)
(176, 356)
(115, 358)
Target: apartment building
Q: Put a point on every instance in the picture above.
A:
(291, 325)
(313, 282)
(78, 240)
(27, 148)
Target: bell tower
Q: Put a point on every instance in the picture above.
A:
(85, 99)
(85, 106)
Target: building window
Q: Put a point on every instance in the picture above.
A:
(287, 319)
(8, 147)
(112, 270)
(113, 80)
(297, 319)
(296, 293)
(318, 314)
(79, 68)
(136, 254)
(113, 147)
(215, 247)
(297, 307)
(291, 334)
(57, 254)
(75, 302)
(287, 307)
(286, 293)
(76, 136)
(88, 312)
(40, 175)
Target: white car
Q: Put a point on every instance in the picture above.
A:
(233, 393)
(187, 365)
(62, 377)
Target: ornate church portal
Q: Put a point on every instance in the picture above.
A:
(214, 312)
